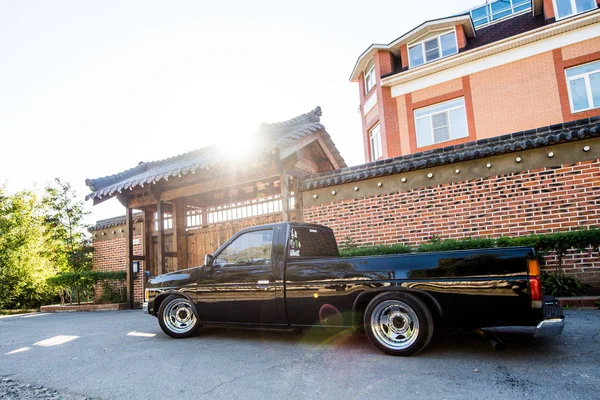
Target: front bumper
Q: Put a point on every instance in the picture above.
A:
(145, 307)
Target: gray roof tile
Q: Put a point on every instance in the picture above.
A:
(583, 129)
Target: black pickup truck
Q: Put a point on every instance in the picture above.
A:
(290, 275)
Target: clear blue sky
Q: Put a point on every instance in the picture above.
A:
(90, 88)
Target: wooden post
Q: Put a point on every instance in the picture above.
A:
(129, 226)
(149, 243)
(180, 234)
(285, 197)
(204, 216)
(161, 238)
(298, 199)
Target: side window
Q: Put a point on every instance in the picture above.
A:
(252, 248)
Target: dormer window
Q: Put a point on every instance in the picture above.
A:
(432, 48)
(566, 8)
(369, 76)
(498, 9)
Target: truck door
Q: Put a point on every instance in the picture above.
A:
(240, 286)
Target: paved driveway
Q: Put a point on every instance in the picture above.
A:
(124, 355)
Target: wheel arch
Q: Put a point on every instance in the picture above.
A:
(159, 299)
(363, 299)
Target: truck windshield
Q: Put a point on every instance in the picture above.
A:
(312, 242)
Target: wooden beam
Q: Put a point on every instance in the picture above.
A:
(234, 181)
(129, 271)
(142, 202)
(298, 215)
(285, 198)
(171, 254)
(180, 234)
(330, 156)
(161, 238)
(149, 242)
(262, 174)
(208, 200)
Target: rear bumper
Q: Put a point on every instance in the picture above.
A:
(145, 307)
(554, 320)
(550, 327)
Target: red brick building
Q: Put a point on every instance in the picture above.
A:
(506, 66)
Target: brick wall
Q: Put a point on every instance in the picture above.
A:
(543, 200)
(110, 254)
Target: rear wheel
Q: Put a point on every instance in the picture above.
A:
(177, 317)
(398, 323)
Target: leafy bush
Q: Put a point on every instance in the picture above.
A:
(112, 293)
(81, 285)
(454, 244)
(375, 250)
(560, 285)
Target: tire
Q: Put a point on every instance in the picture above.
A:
(398, 323)
(178, 318)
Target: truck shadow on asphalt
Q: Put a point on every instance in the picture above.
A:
(445, 344)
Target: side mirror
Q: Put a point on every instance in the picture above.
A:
(208, 260)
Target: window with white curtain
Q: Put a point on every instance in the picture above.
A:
(441, 122)
(370, 77)
(583, 82)
(375, 139)
(432, 49)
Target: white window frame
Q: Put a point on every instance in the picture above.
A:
(447, 112)
(375, 143)
(422, 43)
(573, 7)
(588, 87)
(371, 74)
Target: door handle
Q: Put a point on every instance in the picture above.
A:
(263, 284)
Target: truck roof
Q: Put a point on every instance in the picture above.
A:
(291, 224)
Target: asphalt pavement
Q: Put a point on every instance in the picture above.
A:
(125, 355)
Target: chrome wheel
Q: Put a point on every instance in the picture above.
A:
(395, 324)
(179, 316)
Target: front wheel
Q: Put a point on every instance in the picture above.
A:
(398, 324)
(177, 317)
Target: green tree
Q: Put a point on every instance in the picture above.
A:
(24, 261)
(64, 218)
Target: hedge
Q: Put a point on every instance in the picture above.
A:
(69, 279)
(82, 284)
(559, 243)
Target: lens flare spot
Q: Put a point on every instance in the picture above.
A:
(316, 295)
(330, 316)
(56, 340)
(21, 350)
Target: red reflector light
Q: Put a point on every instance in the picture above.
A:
(535, 286)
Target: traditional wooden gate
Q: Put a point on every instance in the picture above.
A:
(194, 202)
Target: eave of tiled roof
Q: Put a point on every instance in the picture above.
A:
(114, 221)
(275, 136)
(531, 139)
